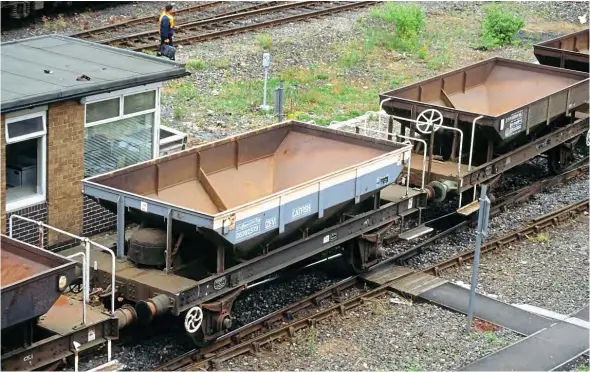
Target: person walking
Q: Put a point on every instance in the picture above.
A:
(166, 26)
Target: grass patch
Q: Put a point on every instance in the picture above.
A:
(541, 237)
(55, 25)
(499, 26)
(195, 64)
(179, 112)
(264, 41)
(309, 95)
(220, 64)
(351, 59)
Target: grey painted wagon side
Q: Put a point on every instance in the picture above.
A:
(315, 173)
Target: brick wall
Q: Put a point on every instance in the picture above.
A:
(2, 178)
(28, 231)
(96, 218)
(65, 168)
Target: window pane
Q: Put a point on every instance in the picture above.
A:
(108, 147)
(22, 169)
(24, 127)
(139, 102)
(102, 110)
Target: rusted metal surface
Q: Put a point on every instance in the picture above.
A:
(30, 280)
(495, 88)
(569, 51)
(257, 165)
(64, 322)
(135, 283)
(533, 148)
(447, 170)
(65, 316)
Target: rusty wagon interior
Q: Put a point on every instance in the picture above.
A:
(19, 263)
(502, 101)
(30, 275)
(492, 89)
(206, 178)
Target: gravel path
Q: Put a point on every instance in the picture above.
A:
(549, 270)
(380, 335)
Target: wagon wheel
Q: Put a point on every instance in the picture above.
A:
(193, 320)
(428, 118)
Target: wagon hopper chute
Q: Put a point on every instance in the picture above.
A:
(220, 215)
(482, 119)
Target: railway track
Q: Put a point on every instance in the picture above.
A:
(196, 13)
(246, 18)
(334, 300)
(449, 223)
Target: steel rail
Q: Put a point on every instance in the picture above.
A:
(452, 222)
(275, 22)
(86, 34)
(550, 219)
(251, 10)
(252, 336)
(240, 338)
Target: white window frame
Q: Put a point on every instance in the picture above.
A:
(41, 194)
(121, 94)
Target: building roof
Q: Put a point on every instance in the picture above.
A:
(47, 69)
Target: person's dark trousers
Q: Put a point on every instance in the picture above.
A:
(170, 41)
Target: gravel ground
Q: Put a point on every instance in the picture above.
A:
(551, 274)
(502, 223)
(377, 336)
(269, 298)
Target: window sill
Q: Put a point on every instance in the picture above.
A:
(24, 203)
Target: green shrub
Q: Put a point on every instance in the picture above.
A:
(499, 26)
(408, 20)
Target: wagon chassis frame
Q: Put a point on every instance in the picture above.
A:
(237, 277)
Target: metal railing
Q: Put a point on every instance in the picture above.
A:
(87, 242)
(85, 266)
